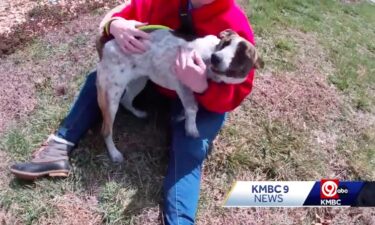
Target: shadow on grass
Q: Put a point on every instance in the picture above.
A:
(136, 183)
(123, 190)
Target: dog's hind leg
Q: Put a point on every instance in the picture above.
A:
(109, 109)
(191, 109)
(132, 90)
(108, 100)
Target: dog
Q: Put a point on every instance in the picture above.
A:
(229, 59)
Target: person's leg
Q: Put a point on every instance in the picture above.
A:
(85, 112)
(182, 182)
(52, 159)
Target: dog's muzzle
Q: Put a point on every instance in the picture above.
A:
(215, 64)
(215, 59)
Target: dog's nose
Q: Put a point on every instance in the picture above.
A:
(215, 59)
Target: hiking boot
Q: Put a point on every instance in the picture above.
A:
(50, 160)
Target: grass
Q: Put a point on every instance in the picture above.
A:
(345, 30)
(310, 116)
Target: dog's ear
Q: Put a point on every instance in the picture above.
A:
(259, 63)
(227, 33)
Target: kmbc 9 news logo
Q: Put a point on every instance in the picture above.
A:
(331, 192)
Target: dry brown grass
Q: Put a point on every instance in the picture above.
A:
(73, 210)
(149, 216)
(301, 97)
(259, 216)
(13, 13)
(22, 73)
(17, 95)
(6, 218)
(21, 21)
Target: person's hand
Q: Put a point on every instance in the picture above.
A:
(191, 70)
(128, 37)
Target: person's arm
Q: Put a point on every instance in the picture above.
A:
(110, 14)
(123, 26)
(126, 11)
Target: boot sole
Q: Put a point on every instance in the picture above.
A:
(32, 176)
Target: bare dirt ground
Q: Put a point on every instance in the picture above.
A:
(13, 13)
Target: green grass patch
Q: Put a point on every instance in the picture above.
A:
(112, 199)
(359, 149)
(31, 201)
(42, 50)
(22, 139)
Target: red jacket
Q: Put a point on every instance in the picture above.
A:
(208, 19)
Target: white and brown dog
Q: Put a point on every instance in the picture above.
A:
(229, 59)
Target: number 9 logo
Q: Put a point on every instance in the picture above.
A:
(329, 188)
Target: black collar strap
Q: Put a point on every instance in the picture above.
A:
(186, 20)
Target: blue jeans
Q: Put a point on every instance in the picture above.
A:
(182, 182)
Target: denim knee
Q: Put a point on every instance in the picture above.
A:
(191, 148)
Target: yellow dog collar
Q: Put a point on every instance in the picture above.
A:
(153, 27)
(144, 28)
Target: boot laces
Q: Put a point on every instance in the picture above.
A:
(51, 149)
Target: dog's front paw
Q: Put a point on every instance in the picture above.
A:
(116, 157)
(192, 130)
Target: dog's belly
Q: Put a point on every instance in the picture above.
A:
(164, 81)
(161, 73)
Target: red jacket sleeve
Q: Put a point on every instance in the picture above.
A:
(136, 10)
(220, 97)
(129, 12)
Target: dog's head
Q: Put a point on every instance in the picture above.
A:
(233, 58)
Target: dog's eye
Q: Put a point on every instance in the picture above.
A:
(223, 43)
(226, 43)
